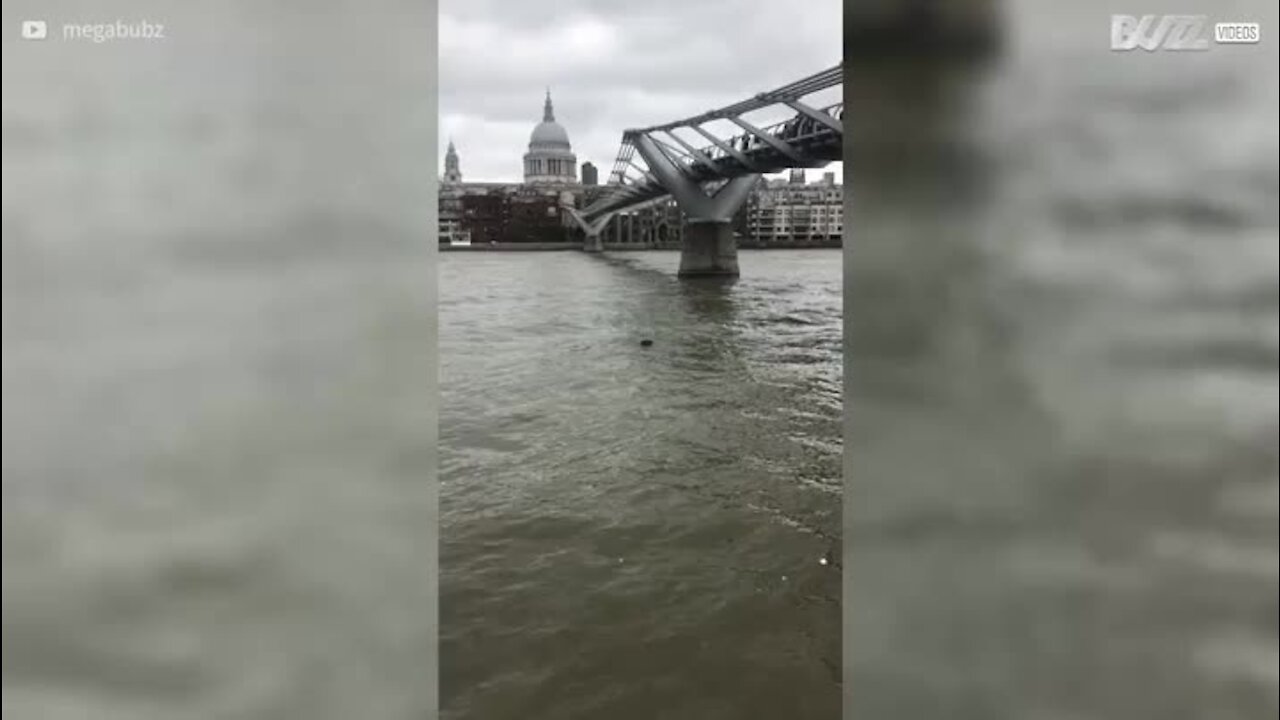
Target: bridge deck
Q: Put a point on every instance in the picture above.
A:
(801, 141)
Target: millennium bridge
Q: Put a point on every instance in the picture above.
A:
(710, 181)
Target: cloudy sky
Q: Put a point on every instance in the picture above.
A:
(614, 64)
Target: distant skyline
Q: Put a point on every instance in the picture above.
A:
(610, 66)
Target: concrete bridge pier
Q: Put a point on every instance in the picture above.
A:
(709, 250)
(592, 232)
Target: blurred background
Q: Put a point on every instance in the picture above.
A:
(219, 362)
(1061, 324)
(218, 344)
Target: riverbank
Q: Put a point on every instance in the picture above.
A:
(618, 247)
(510, 247)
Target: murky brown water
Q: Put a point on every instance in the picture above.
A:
(1061, 299)
(637, 532)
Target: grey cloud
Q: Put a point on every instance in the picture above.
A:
(667, 59)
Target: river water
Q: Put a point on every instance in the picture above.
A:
(1061, 299)
(218, 365)
(632, 531)
(1060, 292)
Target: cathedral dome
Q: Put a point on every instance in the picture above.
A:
(549, 134)
(550, 159)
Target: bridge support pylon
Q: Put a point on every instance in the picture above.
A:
(592, 241)
(709, 248)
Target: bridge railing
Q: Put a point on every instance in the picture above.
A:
(755, 150)
(796, 129)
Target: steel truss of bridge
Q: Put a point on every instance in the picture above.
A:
(709, 182)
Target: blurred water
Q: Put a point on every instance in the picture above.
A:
(636, 532)
(1062, 303)
(218, 366)
(217, 358)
